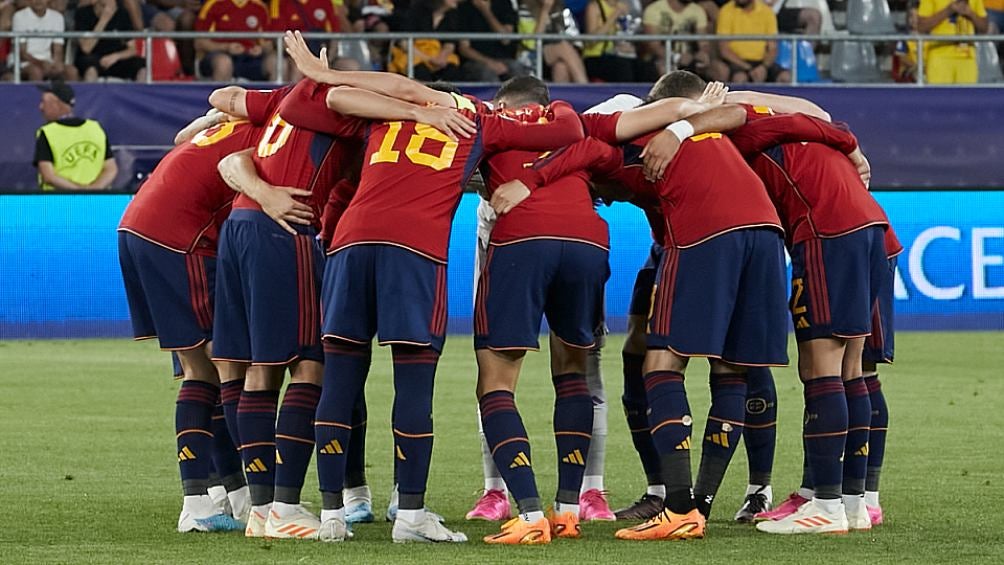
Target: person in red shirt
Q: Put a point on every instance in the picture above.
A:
(224, 60)
(167, 251)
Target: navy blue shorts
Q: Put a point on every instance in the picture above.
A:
(268, 306)
(523, 282)
(385, 291)
(641, 296)
(170, 294)
(834, 283)
(880, 346)
(724, 299)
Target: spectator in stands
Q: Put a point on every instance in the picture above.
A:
(796, 20)
(490, 61)
(184, 13)
(104, 58)
(614, 61)
(904, 63)
(6, 15)
(562, 62)
(433, 59)
(70, 152)
(42, 57)
(748, 61)
(949, 62)
(668, 17)
(222, 60)
(372, 15)
(995, 14)
(322, 16)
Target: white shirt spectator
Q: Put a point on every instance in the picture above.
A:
(27, 20)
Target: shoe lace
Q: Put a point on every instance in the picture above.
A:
(756, 503)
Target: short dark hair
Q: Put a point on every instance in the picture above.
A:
(520, 91)
(683, 84)
(443, 86)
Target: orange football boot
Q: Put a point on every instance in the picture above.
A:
(519, 532)
(667, 526)
(564, 525)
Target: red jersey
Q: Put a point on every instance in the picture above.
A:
(233, 15)
(803, 162)
(707, 189)
(317, 152)
(184, 201)
(563, 210)
(892, 245)
(413, 175)
(303, 15)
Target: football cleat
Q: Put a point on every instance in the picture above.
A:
(857, 513)
(359, 513)
(428, 530)
(593, 506)
(334, 530)
(298, 525)
(391, 515)
(187, 522)
(255, 525)
(783, 510)
(875, 515)
(564, 525)
(520, 532)
(755, 503)
(493, 506)
(646, 507)
(667, 526)
(811, 518)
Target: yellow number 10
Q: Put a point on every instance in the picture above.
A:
(387, 154)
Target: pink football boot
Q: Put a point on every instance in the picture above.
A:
(493, 506)
(783, 510)
(593, 506)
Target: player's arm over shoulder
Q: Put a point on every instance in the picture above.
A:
(561, 127)
(650, 117)
(779, 103)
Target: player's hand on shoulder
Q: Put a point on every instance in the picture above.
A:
(658, 153)
(508, 196)
(861, 163)
(279, 204)
(447, 120)
(714, 94)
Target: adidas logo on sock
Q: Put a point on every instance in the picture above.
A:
(862, 451)
(332, 448)
(255, 466)
(721, 439)
(802, 323)
(278, 458)
(574, 458)
(684, 445)
(399, 453)
(521, 460)
(185, 454)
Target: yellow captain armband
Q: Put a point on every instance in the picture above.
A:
(463, 103)
(763, 110)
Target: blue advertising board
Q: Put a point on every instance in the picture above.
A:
(59, 274)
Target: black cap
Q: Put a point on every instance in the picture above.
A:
(61, 90)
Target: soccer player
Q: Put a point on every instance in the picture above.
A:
(386, 275)
(167, 251)
(724, 255)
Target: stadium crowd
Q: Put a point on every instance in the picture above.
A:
(571, 60)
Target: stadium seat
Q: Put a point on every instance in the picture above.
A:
(869, 16)
(854, 61)
(808, 71)
(988, 61)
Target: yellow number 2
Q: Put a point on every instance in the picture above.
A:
(387, 154)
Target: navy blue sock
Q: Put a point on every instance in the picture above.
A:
(226, 459)
(294, 440)
(824, 432)
(256, 418)
(859, 418)
(636, 411)
(193, 428)
(573, 427)
(721, 435)
(414, 376)
(345, 369)
(230, 397)
(671, 423)
(760, 431)
(510, 448)
(877, 433)
(355, 463)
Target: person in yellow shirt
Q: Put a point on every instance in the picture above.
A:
(748, 61)
(949, 62)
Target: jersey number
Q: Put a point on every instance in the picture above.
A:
(215, 134)
(387, 154)
(275, 137)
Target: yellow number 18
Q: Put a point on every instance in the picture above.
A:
(387, 154)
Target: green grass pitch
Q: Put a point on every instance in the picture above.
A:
(88, 473)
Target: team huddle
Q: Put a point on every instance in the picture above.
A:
(288, 228)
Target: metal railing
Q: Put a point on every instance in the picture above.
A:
(539, 40)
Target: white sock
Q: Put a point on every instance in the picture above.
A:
(852, 502)
(496, 483)
(218, 493)
(590, 482)
(532, 517)
(561, 507)
(806, 493)
(831, 506)
(262, 509)
(411, 516)
(337, 513)
(393, 497)
(767, 491)
(200, 505)
(284, 509)
(355, 495)
(656, 490)
(871, 499)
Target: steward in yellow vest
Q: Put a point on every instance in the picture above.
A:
(70, 152)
